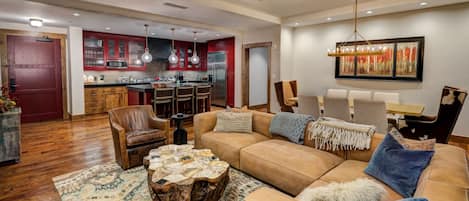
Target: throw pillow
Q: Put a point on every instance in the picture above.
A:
(238, 122)
(357, 190)
(398, 167)
(426, 145)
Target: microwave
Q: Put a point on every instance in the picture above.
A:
(116, 64)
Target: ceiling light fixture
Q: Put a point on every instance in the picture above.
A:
(329, 18)
(108, 28)
(195, 59)
(297, 23)
(423, 3)
(369, 12)
(173, 59)
(35, 22)
(217, 35)
(344, 49)
(76, 14)
(146, 56)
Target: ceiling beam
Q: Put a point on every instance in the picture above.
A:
(134, 14)
(239, 10)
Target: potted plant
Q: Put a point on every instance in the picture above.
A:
(10, 128)
(6, 103)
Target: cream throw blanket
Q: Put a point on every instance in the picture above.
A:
(333, 134)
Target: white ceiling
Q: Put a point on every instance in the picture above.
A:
(287, 8)
(20, 11)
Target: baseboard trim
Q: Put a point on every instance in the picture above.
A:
(76, 117)
(459, 139)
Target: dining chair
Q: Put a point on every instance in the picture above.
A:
(284, 91)
(387, 97)
(371, 113)
(337, 93)
(308, 105)
(440, 126)
(337, 108)
(359, 95)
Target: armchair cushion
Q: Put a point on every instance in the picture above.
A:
(140, 137)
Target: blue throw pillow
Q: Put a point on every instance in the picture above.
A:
(398, 167)
(414, 199)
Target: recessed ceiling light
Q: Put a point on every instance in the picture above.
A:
(369, 12)
(329, 18)
(423, 3)
(297, 23)
(153, 33)
(35, 22)
(76, 14)
(217, 34)
(108, 28)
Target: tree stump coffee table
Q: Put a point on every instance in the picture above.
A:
(181, 173)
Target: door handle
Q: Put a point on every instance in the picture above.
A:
(13, 85)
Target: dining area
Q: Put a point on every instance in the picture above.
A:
(384, 110)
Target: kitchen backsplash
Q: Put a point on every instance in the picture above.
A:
(154, 69)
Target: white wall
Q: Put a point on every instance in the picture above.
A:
(258, 74)
(268, 34)
(446, 57)
(75, 71)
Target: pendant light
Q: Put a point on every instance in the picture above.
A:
(345, 49)
(173, 59)
(146, 57)
(195, 59)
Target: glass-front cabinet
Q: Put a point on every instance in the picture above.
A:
(103, 51)
(184, 51)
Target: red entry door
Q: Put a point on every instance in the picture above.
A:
(34, 75)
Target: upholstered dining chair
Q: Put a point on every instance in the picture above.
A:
(441, 126)
(337, 108)
(135, 131)
(387, 97)
(284, 91)
(359, 95)
(309, 105)
(337, 93)
(371, 113)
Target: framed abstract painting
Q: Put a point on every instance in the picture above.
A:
(402, 60)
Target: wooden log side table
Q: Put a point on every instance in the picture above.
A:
(181, 173)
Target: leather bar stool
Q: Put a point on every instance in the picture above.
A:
(185, 100)
(163, 102)
(202, 99)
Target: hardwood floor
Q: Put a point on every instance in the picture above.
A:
(54, 148)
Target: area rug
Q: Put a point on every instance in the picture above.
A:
(109, 182)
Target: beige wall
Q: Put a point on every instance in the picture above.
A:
(268, 34)
(446, 55)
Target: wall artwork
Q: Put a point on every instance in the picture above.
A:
(402, 60)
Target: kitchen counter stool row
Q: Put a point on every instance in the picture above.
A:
(185, 99)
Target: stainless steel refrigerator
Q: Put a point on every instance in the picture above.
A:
(216, 64)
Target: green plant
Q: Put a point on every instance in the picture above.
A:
(6, 103)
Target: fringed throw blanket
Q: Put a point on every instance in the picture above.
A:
(290, 125)
(332, 134)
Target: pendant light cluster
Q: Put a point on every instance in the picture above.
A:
(368, 49)
(173, 58)
(146, 56)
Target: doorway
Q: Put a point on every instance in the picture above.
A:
(35, 76)
(256, 76)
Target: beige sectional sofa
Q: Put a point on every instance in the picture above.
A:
(291, 167)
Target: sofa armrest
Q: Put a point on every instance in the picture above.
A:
(268, 194)
(162, 124)
(203, 123)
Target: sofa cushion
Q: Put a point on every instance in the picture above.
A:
(349, 171)
(288, 166)
(135, 138)
(227, 145)
(438, 191)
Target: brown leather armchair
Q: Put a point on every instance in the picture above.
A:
(135, 131)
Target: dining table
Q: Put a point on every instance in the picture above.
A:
(391, 108)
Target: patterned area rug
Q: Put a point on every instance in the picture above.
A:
(109, 182)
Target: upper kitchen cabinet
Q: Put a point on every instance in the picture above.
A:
(184, 51)
(104, 51)
(160, 49)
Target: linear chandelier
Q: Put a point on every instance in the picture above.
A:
(345, 49)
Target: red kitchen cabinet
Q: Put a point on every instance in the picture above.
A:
(99, 48)
(184, 51)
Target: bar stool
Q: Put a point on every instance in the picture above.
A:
(163, 97)
(185, 98)
(202, 99)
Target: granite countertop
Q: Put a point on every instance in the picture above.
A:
(112, 84)
(149, 87)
